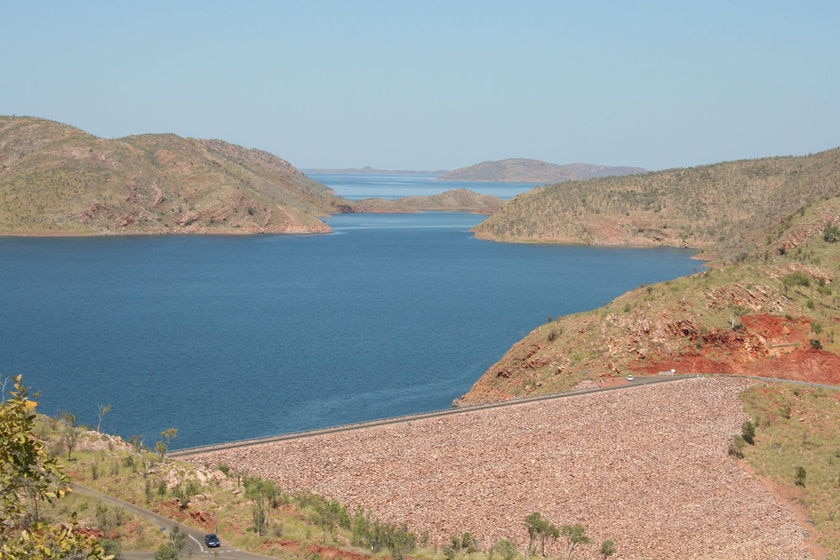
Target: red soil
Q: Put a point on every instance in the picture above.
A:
(767, 346)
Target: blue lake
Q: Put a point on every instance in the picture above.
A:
(232, 337)
(355, 186)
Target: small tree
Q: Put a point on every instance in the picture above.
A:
(329, 514)
(575, 536)
(103, 410)
(400, 541)
(263, 494)
(539, 529)
(163, 446)
(172, 549)
(69, 432)
(535, 525)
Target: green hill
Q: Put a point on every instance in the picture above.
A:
(727, 208)
(56, 179)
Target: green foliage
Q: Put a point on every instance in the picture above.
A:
(506, 549)
(748, 432)
(329, 515)
(162, 446)
(172, 549)
(459, 546)
(262, 493)
(28, 479)
(539, 531)
(800, 431)
(184, 492)
(797, 278)
(69, 432)
(376, 536)
(831, 233)
(799, 477)
(607, 549)
(575, 536)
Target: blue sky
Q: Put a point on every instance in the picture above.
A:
(437, 84)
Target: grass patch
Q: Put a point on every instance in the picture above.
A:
(797, 445)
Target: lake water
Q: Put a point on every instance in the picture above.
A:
(232, 337)
(355, 186)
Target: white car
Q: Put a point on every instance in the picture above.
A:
(630, 378)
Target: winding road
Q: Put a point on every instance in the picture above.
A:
(195, 538)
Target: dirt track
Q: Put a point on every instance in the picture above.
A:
(645, 467)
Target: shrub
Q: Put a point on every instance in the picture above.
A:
(736, 447)
(505, 548)
(748, 432)
(797, 278)
(831, 233)
(799, 479)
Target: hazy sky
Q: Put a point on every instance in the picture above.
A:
(437, 84)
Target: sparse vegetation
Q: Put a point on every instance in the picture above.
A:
(672, 207)
(799, 448)
(30, 480)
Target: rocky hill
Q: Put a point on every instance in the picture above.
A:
(534, 171)
(59, 180)
(457, 200)
(730, 208)
(773, 313)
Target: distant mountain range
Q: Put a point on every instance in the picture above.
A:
(371, 171)
(514, 170)
(534, 171)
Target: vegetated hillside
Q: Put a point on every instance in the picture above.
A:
(775, 314)
(456, 200)
(729, 208)
(534, 171)
(56, 179)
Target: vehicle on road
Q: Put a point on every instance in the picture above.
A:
(212, 541)
(630, 378)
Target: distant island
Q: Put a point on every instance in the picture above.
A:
(371, 171)
(518, 170)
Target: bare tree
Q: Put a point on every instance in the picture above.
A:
(103, 410)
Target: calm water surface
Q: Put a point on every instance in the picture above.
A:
(356, 186)
(227, 338)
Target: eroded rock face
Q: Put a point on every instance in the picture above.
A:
(646, 467)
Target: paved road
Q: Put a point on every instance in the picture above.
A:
(195, 538)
